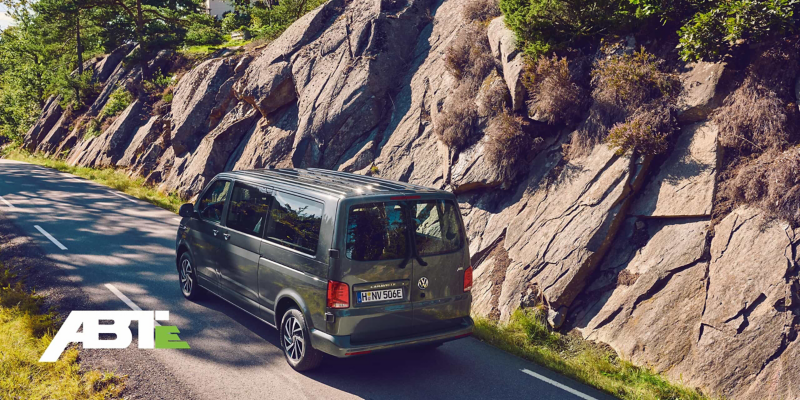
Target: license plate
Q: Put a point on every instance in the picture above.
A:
(380, 295)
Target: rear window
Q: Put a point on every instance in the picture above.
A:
(378, 231)
(295, 223)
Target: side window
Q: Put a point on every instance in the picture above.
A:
(437, 227)
(213, 201)
(295, 223)
(247, 212)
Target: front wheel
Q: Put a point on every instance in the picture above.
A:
(296, 342)
(188, 278)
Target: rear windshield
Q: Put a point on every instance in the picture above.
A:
(379, 231)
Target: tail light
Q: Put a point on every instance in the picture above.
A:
(468, 279)
(338, 295)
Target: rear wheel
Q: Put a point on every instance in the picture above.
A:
(296, 342)
(188, 278)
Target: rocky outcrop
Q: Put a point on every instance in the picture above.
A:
(621, 249)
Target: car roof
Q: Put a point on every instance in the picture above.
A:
(336, 183)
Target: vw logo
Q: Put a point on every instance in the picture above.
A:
(423, 283)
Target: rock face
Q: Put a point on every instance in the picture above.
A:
(622, 250)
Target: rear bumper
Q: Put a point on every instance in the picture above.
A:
(340, 346)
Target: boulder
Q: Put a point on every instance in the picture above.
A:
(142, 140)
(684, 186)
(57, 134)
(108, 148)
(472, 171)
(700, 93)
(194, 98)
(269, 88)
(504, 47)
(109, 63)
(51, 114)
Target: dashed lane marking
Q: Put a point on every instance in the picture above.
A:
(49, 236)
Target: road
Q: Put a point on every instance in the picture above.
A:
(108, 240)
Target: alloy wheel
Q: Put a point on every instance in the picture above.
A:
(293, 340)
(187, 283)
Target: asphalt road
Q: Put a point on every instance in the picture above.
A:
(102, 237)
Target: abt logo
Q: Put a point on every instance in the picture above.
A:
(150, 335)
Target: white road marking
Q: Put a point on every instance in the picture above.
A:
(49, 236)
(11, 206)
(558, 385)
(124, 197)
(125, 299)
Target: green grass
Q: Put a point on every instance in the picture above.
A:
(25, 333)
(527, 335)
(210, 48)
(110, 177)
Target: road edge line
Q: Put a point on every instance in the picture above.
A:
(49, 236)
(558, 385)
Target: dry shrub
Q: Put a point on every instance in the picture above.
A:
(455, 124)
(623, 86)
(493, 96)
(631, 80)
(509, 145)
(645, 132)
(759, 114)
(555, 96)
(771, 182)
(469, 58)
(481, 10)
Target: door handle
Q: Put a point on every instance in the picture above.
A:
(215, 232)
(226, 236)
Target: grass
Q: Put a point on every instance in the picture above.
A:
(205, 49)
(528, 336)
(110, 177)
(25, 333)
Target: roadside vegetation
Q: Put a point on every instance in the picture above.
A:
(25, 333)
(527, 335)
(113, 178)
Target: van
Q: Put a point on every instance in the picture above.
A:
(338, 263)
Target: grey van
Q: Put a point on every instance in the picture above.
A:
(340, 264)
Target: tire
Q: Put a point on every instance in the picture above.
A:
(296, 342)
(187, 278)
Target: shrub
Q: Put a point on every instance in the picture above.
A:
(481, 10)
(234, 20)
(714, 33)
(759, 114)
(771, 182)
(203, 35)
(509, 145)
(543, 26)
(455, 124)
(631, 80)
(158, 83)
(554, 94)
(117, 102)
(93, 129)
(470, 57)
(493, 96)
(645, 132)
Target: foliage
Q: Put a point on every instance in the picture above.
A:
(543, 26)
(167, 97)
(481, 10)
(203, 34)
(527, 335)
(25, 333)
(469, 56)
(119, 180)
(645, 132)
(554, 93)
(714, 33)
(118, 101)
(455, 124)
(93, 129)
(270, 22)
(630, 80)
(158, 83)
(509, 145)
(771, 182)
(232, 21)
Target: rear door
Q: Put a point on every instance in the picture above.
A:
(377, 266)
(206, 235)
(246, 219)
(439, 265)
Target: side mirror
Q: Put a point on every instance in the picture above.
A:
(186, 210)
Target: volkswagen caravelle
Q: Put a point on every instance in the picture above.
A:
(340, 264)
